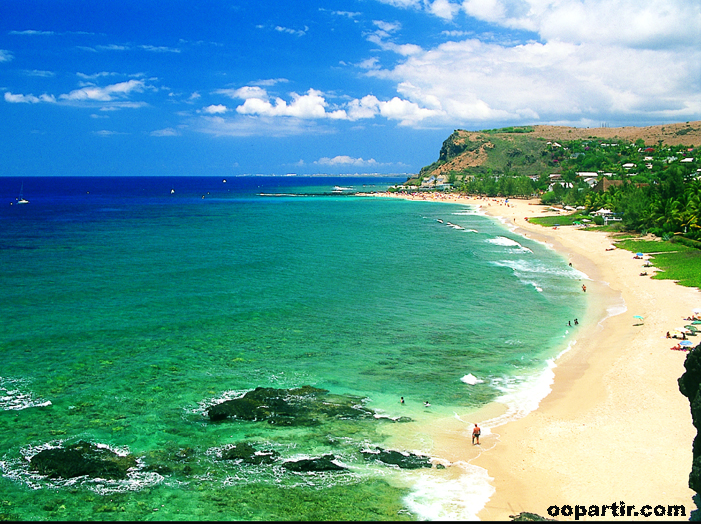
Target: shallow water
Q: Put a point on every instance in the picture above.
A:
(129, 310)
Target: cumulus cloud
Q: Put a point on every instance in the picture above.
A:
(588, 59)
(344, 160)
(28, 99)
(310, 105)
(215, 109)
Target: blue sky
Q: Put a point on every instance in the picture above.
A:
(212, 87)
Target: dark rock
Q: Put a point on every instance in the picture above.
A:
(323, 463)
(245, 452)
(398, 458)
(289, 407)
(525, 516)
(82, 459)
(690, 387)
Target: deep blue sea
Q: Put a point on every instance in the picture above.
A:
(131, 305)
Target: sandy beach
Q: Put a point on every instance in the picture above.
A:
(614, 427)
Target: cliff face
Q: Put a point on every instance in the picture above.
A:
(690, 387)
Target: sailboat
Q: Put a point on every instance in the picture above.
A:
(21, 199)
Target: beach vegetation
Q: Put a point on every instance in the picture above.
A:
(674, 260)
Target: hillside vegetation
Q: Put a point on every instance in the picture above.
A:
(523, 149)
(647, 178)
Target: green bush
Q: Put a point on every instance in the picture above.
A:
(677, 239)
(599, 220)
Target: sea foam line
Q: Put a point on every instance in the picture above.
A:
(12, 396)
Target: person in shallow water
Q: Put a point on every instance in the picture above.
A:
(476, 432)
(402, 400)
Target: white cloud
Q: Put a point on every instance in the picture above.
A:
(105, 94)
(443, 9)
(168, 131)
(344, 160)
(5, 56)
(31, 32)
(28, 99)
(381, 37)
(160, 49)
(95, 76)
(106, 132)
(40, 73)
(215, 109)
(311, 105)
(588, 59)
(295, 32)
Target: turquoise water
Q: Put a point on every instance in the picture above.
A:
(128, 310)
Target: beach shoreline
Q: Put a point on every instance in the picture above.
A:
(614, 427)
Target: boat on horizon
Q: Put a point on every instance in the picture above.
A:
(21, 199)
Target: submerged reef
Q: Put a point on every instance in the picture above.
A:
(397, 458)
(303, 406)
(82, 459)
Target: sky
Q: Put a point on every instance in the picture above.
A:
(273, 87)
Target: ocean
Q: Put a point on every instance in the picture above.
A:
(131, 305)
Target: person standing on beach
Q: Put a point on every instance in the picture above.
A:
(584, 288)
(476, 432)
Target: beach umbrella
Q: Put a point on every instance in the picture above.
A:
(638, 317)
(693, 329)
(686, 343)
(638, 254)
(697, 310)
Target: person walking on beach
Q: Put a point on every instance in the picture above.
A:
(476, 432)
(584, 288)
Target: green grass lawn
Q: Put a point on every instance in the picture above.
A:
(675, 261)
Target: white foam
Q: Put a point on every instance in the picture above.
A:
(469, 212)
(523, 394)
(471, 379)
(508, 242)
(439, 495)
(14, 395)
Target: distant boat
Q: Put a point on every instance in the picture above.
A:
(172, 191)
(339, 189)
(21, 199)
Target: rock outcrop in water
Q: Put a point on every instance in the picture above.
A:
(82, 459)
(690, 387)
(246, 453)
(323, 463)
(397, 458)
(289, 407)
